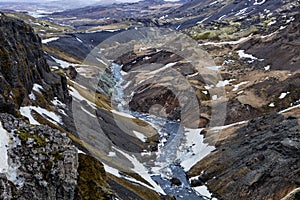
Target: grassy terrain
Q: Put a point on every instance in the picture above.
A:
(43, 27)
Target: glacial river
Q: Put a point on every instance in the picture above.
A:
(173, 134)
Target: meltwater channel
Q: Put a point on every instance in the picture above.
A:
(173, 133)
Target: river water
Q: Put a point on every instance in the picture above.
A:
(171, 137)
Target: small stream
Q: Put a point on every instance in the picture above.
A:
(171, 137)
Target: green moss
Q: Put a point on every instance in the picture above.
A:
(41, 100)
(92, 181)
(24, 136)
(57, 156)
(201, 96)
(60, 72)
(19, 95)
(5, 61)
(140, 122)
(201, 36)
(46, 172)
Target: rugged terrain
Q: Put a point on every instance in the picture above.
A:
(39, 155)
(258, 160)
(227, 71)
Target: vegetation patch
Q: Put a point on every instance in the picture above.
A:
(92, 180)
(24, 136)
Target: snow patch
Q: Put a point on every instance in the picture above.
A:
(111, 170)
(196, 148)
(214, 97)
(208, 87)
(140, 169)
(146, 58)
(192, 75)
(51, 116)
(219, 128)
(257, 2)
(140, 136)
(212, 3)
(79, 97)
(79, 40)
(222, 17)
(7, 140)
(213, 68)
(290, 108)
(32, 96)
(236, 87)
(290, 20)
(100, 60)
(122, 114)
(229, 42)
(271, 105)
(163, 68)
(87, 112)
(45, 41)
(242, 54)
(267, 67)
(283, 95)
(26, 112)
(62, 63)
(57, 102)
(203, 190)
(111, 154)
(203, 20)
(4, 143)
(241, 12)
(271, 23)
(224, 83)
(80, 152)
(37, 88)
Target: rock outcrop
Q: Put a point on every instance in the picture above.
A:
(22, 64)
(257, 161)
(42, 162)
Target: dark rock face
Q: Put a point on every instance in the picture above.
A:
(6, 188)
(22, 64)
(44, 160)
(147, 97)
(175, 181)
(260, 161)
(282, 51)
(237, 112)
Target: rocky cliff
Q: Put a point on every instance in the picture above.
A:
(41, 162)
(22, 65)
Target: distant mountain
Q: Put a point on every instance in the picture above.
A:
(205, 11)
(50, 5)
(124, 10)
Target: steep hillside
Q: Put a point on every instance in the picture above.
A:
(23, 65)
